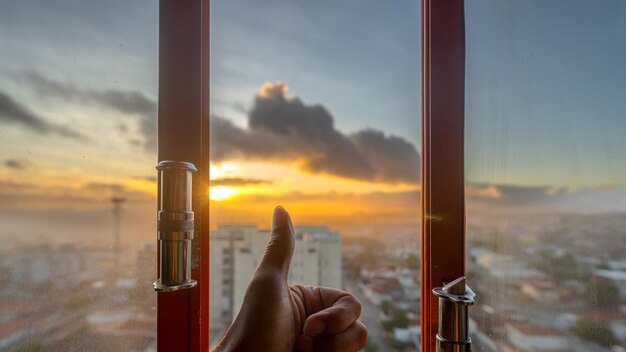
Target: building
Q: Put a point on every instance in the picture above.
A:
(501, 266)
(541, 290)
(397, 285)
(236, 251)
(531, 338)
(47, 264)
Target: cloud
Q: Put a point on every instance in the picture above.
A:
(33, 196)
(12, 111)
(280, 128)
(513, 195)
(112, 188)
(483, 197)
(393, 158)
(283, 128)
(127, 102)
(238, 181)
(17, 164)
(146, 178)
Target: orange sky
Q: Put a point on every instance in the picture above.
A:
(311, 198)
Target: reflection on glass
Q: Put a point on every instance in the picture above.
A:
(77, 189)
(316, 108)
(546, 173)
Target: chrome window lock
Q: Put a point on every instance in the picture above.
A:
(175, 226)
(454, 299)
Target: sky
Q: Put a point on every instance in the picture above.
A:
(314, 105)
(546, 92)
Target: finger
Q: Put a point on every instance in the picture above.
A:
(279, 250)
(341, 314)
(351, 340)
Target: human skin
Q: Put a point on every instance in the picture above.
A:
(277, 317)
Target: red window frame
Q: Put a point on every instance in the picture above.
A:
(183, 316)
(443, 183)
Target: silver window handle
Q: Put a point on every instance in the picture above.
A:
(175, 225)
(454, 299)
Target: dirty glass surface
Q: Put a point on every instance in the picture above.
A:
(78, 90)
(546, 174)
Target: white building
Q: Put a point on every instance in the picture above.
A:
(236, 251)
(526, 337)
(541, 290)
(501, 267)
(48, 264)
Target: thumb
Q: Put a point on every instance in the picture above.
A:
(279, 250)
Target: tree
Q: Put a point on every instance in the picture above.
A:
(561, 268)
(602, 293)
(385, 306)
(78, 301)
(412, 261)
(31, 346)
(397, 319)
(397, 345)
(368, 256)
(371, 347)
(596, 331)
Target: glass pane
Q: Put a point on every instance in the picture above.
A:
(316, 108)
(78, 90)
(546, 174)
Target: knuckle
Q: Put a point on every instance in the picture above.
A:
(361, 335)
(354, 305)
(357, 306)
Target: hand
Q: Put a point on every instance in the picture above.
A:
(276, 316)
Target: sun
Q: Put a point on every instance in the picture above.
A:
(221, 192)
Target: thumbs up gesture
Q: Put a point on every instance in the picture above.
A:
(276, 316)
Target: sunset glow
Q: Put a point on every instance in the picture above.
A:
(221, 192)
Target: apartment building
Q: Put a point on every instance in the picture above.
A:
(237, 249)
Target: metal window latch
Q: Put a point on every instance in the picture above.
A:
(175, 226)
(454, 299)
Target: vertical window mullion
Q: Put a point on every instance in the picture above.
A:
(182, 316)
(443, 188)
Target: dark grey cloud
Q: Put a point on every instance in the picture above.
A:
(127, 102)
(13, 112)
(238, 181)
(17, 164)
(393, 158)
(286, 129)
(503, 197)
(114, 188)
(514, 195)
(146, 178)
(232, 142)
(280, 128)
